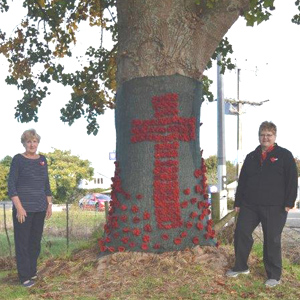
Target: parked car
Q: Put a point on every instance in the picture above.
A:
(94, 201)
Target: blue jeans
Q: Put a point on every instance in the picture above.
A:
(28, 236)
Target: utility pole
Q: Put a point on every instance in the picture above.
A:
(239, 127)
(221, 130)
(237, 109)
(219, 199)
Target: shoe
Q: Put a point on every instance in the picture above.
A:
(232, 273)
(34, 277)
(272, 282)
(28, 283)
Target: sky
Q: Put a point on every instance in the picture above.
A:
(267, 56)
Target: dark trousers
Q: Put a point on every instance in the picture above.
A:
(272, 219)
(28, 237)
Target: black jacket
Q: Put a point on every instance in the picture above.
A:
(275, 182)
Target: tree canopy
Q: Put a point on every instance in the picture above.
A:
(4, 170)
(65, 173)
(47, 34)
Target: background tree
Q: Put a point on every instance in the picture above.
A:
(298, 165)
(65, 173)
(212, 170)
(163, 48)
(3, 183)
(4, 171)
(231, 171)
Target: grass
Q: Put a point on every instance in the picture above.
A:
(82, 224)
(133, 277)
(77, 273)
(208, 284)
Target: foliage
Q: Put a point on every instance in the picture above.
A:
(259, 11)
(45, 36)
(65, 173)
(297, 160)
(212, 170)
(296, 18)
(48, 32)
(6, 161)
(4, 171)
(3, 184)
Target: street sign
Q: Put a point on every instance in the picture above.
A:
(112, 155)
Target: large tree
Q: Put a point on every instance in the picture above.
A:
(163, 47)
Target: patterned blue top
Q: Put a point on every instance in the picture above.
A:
(28, 179)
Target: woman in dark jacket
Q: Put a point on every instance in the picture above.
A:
(267, 190)
(29, 189)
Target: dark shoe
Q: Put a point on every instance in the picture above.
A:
(232, 273)
(272, 282)
(28, 283)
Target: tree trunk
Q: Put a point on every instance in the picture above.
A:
(171, 36)
(159, 190)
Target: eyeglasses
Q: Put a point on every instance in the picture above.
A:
(266, 135)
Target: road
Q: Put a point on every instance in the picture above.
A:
(293, 219)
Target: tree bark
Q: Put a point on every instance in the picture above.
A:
(170, 36)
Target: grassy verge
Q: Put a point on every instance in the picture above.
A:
(78, 273)
(133, 276)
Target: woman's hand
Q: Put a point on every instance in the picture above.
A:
(49, 211)
(237, 209)
(21, 214)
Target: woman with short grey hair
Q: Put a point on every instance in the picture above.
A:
(29, 189)
(267, 190)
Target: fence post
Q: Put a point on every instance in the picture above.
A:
(6, 231)
(106, 210)
(67, 210)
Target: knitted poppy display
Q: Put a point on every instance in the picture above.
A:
(176, 217)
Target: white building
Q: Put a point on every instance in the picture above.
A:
(231, 188)
(99, 181)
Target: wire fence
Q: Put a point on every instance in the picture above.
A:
(67, 228)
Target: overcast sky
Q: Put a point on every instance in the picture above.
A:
(267, 56)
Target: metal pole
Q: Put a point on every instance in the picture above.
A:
(222, 192)
(239, 126)
(221, 130)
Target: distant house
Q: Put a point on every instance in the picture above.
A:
(231, 188)
(99, 181)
